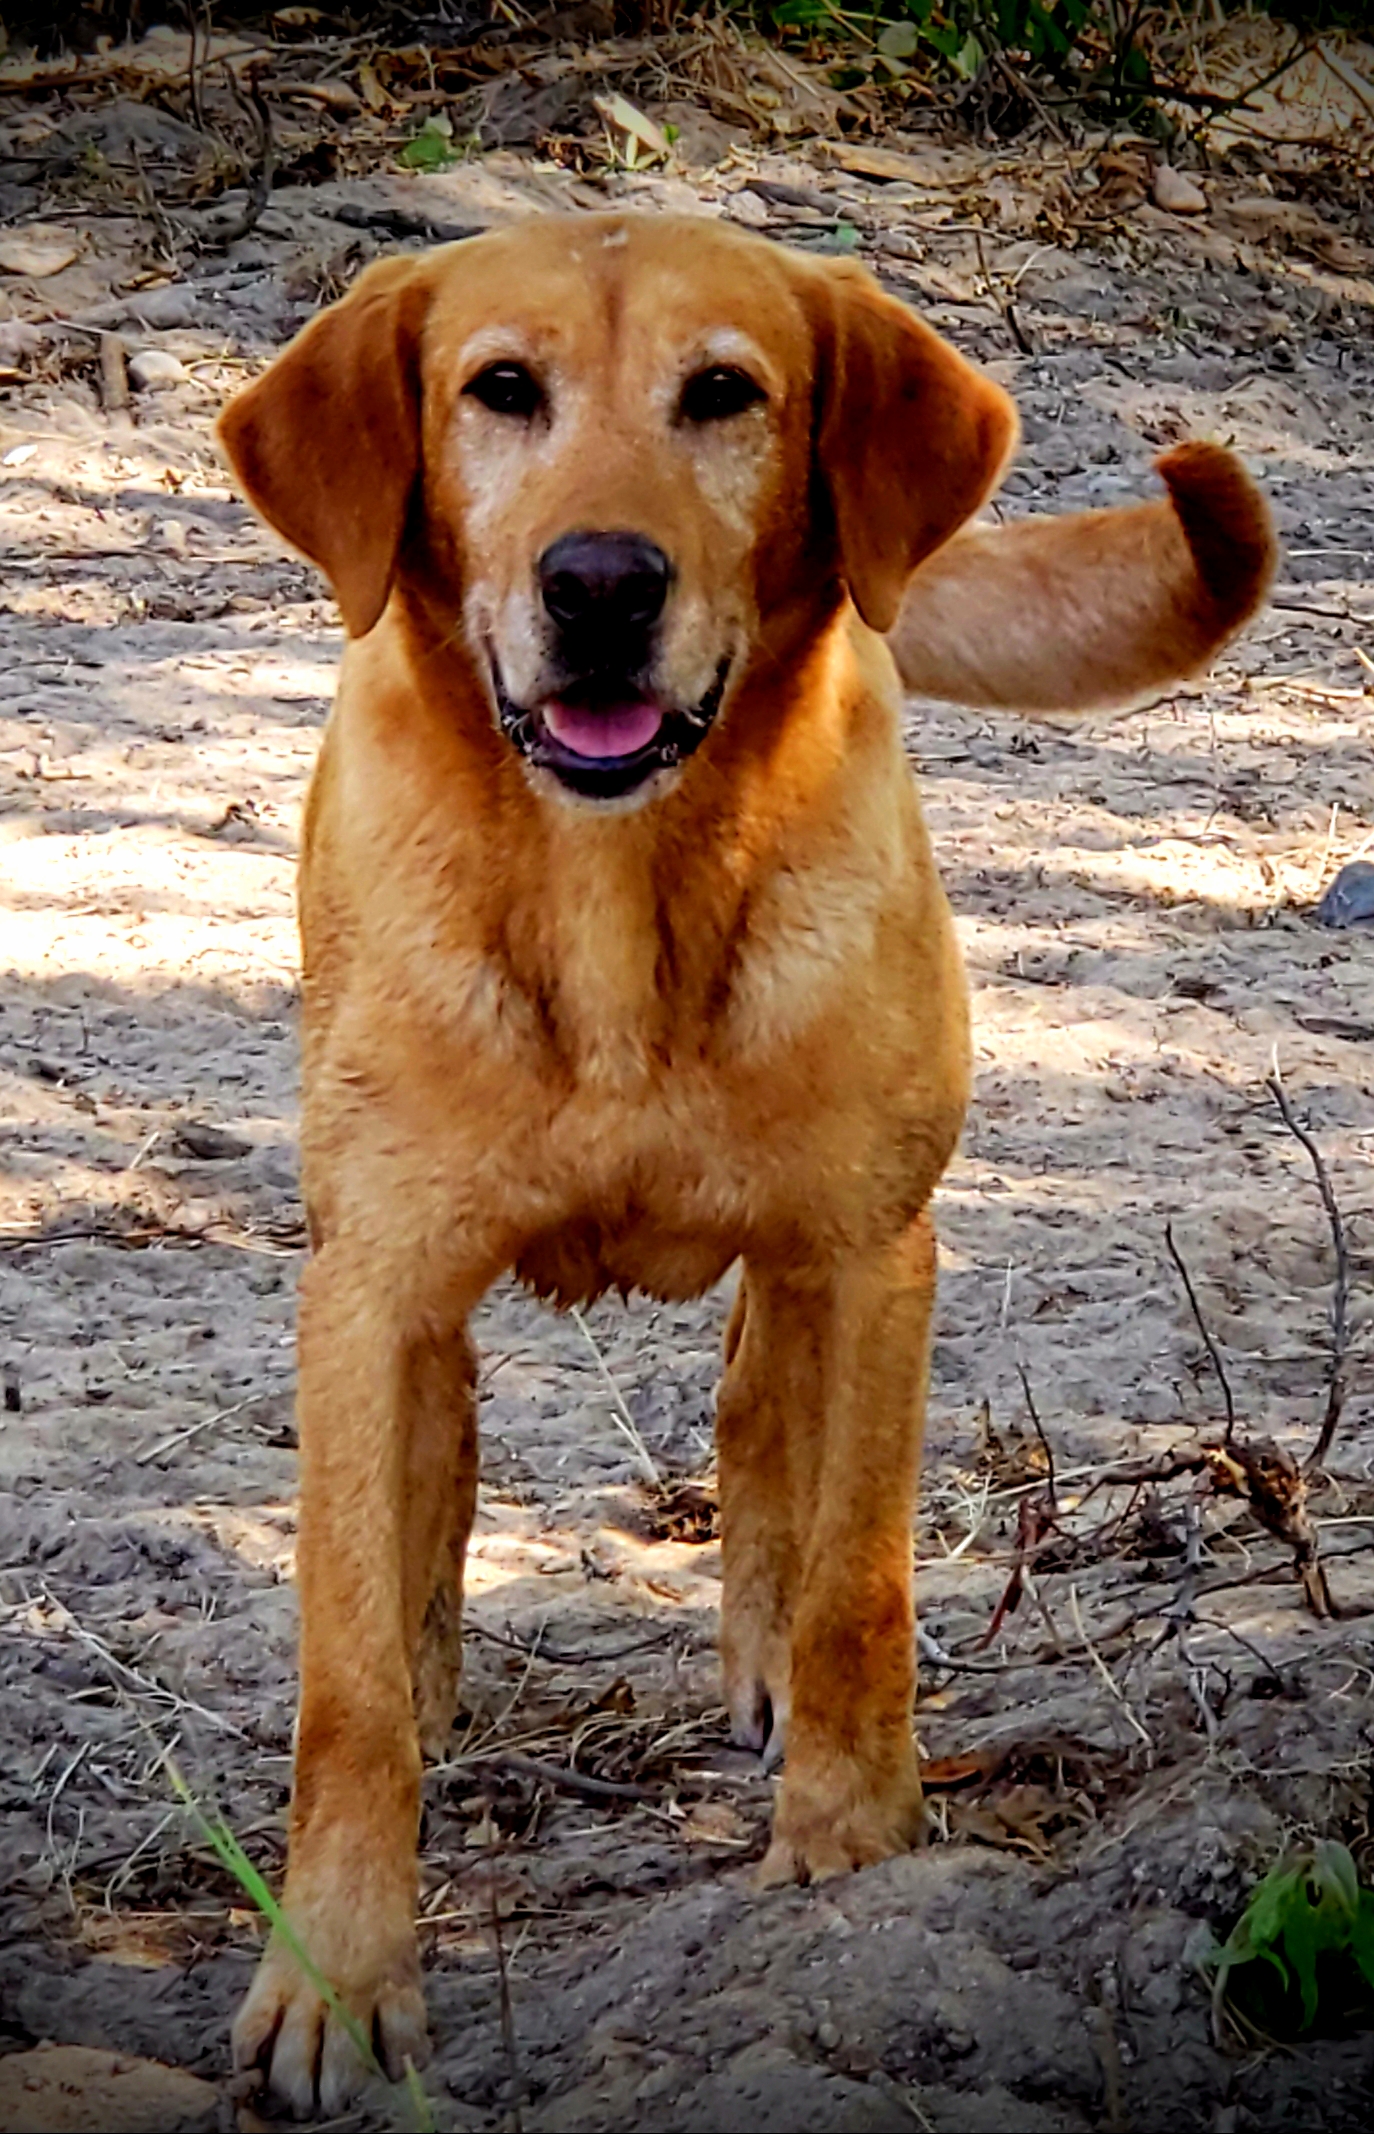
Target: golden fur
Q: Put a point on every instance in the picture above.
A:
(623, 1044)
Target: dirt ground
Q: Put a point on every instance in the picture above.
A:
(1114, 1760)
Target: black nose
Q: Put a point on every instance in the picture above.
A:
(600, 587)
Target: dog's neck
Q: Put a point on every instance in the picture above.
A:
(659, 907)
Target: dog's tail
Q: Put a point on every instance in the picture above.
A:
(1095, 608)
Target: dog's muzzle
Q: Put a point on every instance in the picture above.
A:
(603, 740)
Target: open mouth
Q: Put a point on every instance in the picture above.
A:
(602, 739)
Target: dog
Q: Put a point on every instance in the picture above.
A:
(625, 957)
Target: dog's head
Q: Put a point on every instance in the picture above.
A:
(630, 457)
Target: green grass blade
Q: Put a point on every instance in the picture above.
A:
(232, 1856)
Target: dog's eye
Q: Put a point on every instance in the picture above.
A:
(507, 389)
(713, 395)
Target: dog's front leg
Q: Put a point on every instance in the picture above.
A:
(388, 1470)
(851, 1792)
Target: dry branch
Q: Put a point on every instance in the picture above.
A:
(1212, 1350)
(1340, 1297)
(255, 104)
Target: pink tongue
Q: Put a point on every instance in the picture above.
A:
(620, 730)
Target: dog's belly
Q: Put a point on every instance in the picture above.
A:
(582, 1259)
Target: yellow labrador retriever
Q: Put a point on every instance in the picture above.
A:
(626, 956)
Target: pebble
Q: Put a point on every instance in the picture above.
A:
(210, 1144)
(1176, 191)
(1349, 899)
(153, 368)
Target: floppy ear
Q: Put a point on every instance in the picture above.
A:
(327, 441)
(1094, 608)
(910, 437)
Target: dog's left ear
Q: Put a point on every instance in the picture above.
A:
(911, 439)
(326, 443)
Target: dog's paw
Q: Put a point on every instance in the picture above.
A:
(824, 1828)
(287, 2029)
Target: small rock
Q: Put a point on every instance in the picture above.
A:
(1349, 900)
(747, 207)
(1176, 191)
(827, 2037)
(152, 369)
(210, 1144)
(38, 250)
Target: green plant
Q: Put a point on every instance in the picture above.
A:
(1099, 55)
(1309, 1905)
(232, 1856)
(432, 146)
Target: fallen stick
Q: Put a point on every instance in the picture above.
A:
(1340, 1298)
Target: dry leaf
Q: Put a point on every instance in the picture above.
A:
(715, 1823)
(942, 1771)
(640, 131)
(1015, 1822)
(373, 94)
(39, 249)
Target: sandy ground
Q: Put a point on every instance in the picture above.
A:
(1135, 899)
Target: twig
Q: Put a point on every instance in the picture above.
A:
(161, 221)
(123, 1673)
(1360, 90)
(182, 1437)
(1034, 1522)
(1340, 1330)
(1197, 1686)
(507, 2011)
(1207, 101)
(1211, 1622)
(1038, 1602)
(1019, 86)
(1125, 45)
(620, 1414)
(556, 1656)
(1050, 1490)
(260, 189)
(565, 1778)
(1307, 607)
(1102, 1668)
(1217, 106)
(1179, 1616)
(1003, 304)
(934, 1652)
(1212, 1350)
(192, 12)
(114, 378)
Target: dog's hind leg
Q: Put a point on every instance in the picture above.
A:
(820, 1472)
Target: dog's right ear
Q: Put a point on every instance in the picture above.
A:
(326, 443)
